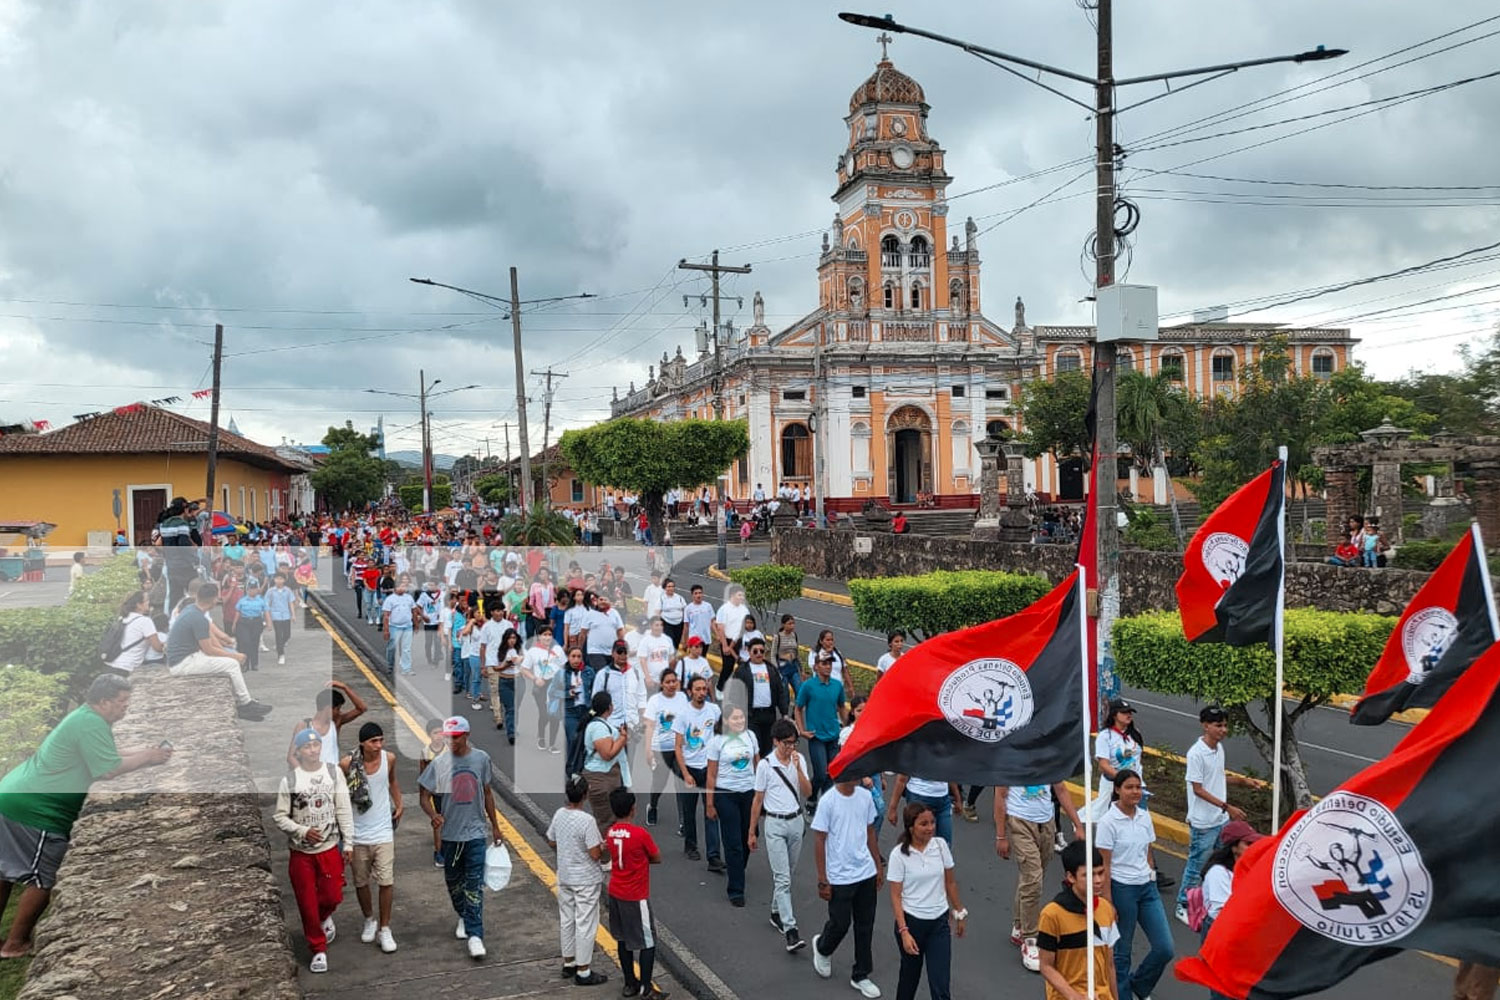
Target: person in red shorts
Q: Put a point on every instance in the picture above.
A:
(632, 852)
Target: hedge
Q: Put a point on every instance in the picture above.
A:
(924, 606)
(767, 586)
(64, 640)
(1421, 554)
(33, 705)
(1327, 653)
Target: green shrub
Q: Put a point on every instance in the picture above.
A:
(109, 584)
(33, 704)
(924, 606)
(411, 495)
(1421, 554)
(766, 587)
(1146, 532)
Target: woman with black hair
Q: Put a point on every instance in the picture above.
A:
(1125, 836)
(605, 767)
(924, 898)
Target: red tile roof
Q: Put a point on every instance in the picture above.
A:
(148, 430)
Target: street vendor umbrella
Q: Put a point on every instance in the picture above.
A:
(221, 524)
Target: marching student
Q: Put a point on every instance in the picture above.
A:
(632, 852)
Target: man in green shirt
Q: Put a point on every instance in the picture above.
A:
(42, 797)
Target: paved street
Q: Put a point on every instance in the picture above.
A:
(692, 905)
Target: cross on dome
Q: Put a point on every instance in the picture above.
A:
(884, 40)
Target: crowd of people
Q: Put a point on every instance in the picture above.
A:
(625, 691)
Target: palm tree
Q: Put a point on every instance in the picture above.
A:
(1144, 404)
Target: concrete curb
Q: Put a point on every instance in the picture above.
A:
(701, 981)
(827, 597)
(1411, 716)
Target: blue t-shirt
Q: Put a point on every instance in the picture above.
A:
(268, 560)
(820, 704)
(279, 599)
(251, 607)
(456, 627)
(235, 552)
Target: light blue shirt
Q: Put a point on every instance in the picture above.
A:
(279, 600)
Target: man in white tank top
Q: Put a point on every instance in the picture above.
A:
(375, 831)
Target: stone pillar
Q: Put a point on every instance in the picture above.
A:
(1343, 499)
(989, 479)
(1135, 485)
(1442, 483)
(1385, 498)
(1160, 493)
(1015, 523)
(1487, 498)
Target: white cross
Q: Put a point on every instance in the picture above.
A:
(884, 40)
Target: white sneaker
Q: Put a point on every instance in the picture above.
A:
(866, 987)
(460, 933)
(263, 648)
(1031, 955)
(1060, 841)
(387, 940)
(368, 934)
(1015, 935)
(281, 661)
(822, 964)
(476, 947)
(330, 931)
(1182, 916)
(476, 705)
(319, 963)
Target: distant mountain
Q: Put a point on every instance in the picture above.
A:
(413, 459)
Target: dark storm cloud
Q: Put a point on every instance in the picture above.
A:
(273, 155)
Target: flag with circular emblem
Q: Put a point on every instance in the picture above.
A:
(996, 704)
(1399, 857)
(1232, 570)
(1445, 628)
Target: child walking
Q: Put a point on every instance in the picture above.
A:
(632, 852)
(575, 836)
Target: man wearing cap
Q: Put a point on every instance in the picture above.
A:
(466, 826)
(312, 809)
(1207, 808)
(627, 690)
(375, 832)
(42, 796)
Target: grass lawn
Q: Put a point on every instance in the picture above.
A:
(12, 971)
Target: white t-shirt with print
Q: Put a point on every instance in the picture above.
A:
(735, 754)
(696, 726)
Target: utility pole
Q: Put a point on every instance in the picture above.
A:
(1107, 572)
(213, 420)
(515, 326)
(549, 374)
(510, 473)
(714, 270)
(426, 443)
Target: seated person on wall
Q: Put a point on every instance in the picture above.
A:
(1348, 551)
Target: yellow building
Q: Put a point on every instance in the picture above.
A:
(145, 456)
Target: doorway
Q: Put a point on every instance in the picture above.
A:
(908, 466)
(146, 505)
(1070, 479)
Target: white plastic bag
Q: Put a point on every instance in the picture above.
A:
(496, 867)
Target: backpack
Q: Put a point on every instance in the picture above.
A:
(111, 644)
(578, 753)
(1197, 912)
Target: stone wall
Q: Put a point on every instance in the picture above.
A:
(167, 890)
(1147, 578)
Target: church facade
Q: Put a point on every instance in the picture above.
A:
(912, 373)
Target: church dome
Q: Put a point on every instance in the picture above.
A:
(887, 85)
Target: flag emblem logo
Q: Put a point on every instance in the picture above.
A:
(1224, 557)
(987, 700)
(1425, 637)
(1349, 871)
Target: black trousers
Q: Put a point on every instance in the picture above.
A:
(851, 904)
(760, 725)
(675, 632)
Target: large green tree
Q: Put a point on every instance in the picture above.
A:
(649, 457)
(1053, 412)
(350, 476)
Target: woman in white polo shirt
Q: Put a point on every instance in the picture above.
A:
(1125, 836)
(924, 894)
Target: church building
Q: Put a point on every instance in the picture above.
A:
(911, 370)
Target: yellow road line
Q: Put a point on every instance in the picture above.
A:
(508, 832)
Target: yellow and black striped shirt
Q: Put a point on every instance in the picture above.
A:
(1063, 931)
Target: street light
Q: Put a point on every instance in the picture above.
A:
(422, 396)
(512, 309)
(1107, 575)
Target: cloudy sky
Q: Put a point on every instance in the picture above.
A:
(285, 167)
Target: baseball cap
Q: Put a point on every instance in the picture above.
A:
(1239, 832)
(1213, 713)
(621, 646)
(695, 641)
(456, 726)
(305, 737)
(1120, 705)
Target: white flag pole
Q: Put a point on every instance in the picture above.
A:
(1484, 574)
(1278, 636)
(1087, 687)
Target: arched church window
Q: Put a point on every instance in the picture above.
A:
(890, 251)
(916, 295)
(796, 452)
(921, 253)
(956, 295)
(890, 295)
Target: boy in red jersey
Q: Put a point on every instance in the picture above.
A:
(632, 852)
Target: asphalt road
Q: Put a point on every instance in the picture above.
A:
(741, 947)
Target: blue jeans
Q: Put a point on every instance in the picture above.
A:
(401, 643)
(942, 813)
(472, 681)
(1200, 847)
(1367, 558)
(687, 812)
(734, 827)
(463, 871)
(1140, 904)
(456, 665)
(934, 950)
(791, 676)
(819, 754)
(574, 717)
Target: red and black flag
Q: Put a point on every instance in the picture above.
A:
(996, 704)
(1401, 856)
(1446, 627)
(1232, 573)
